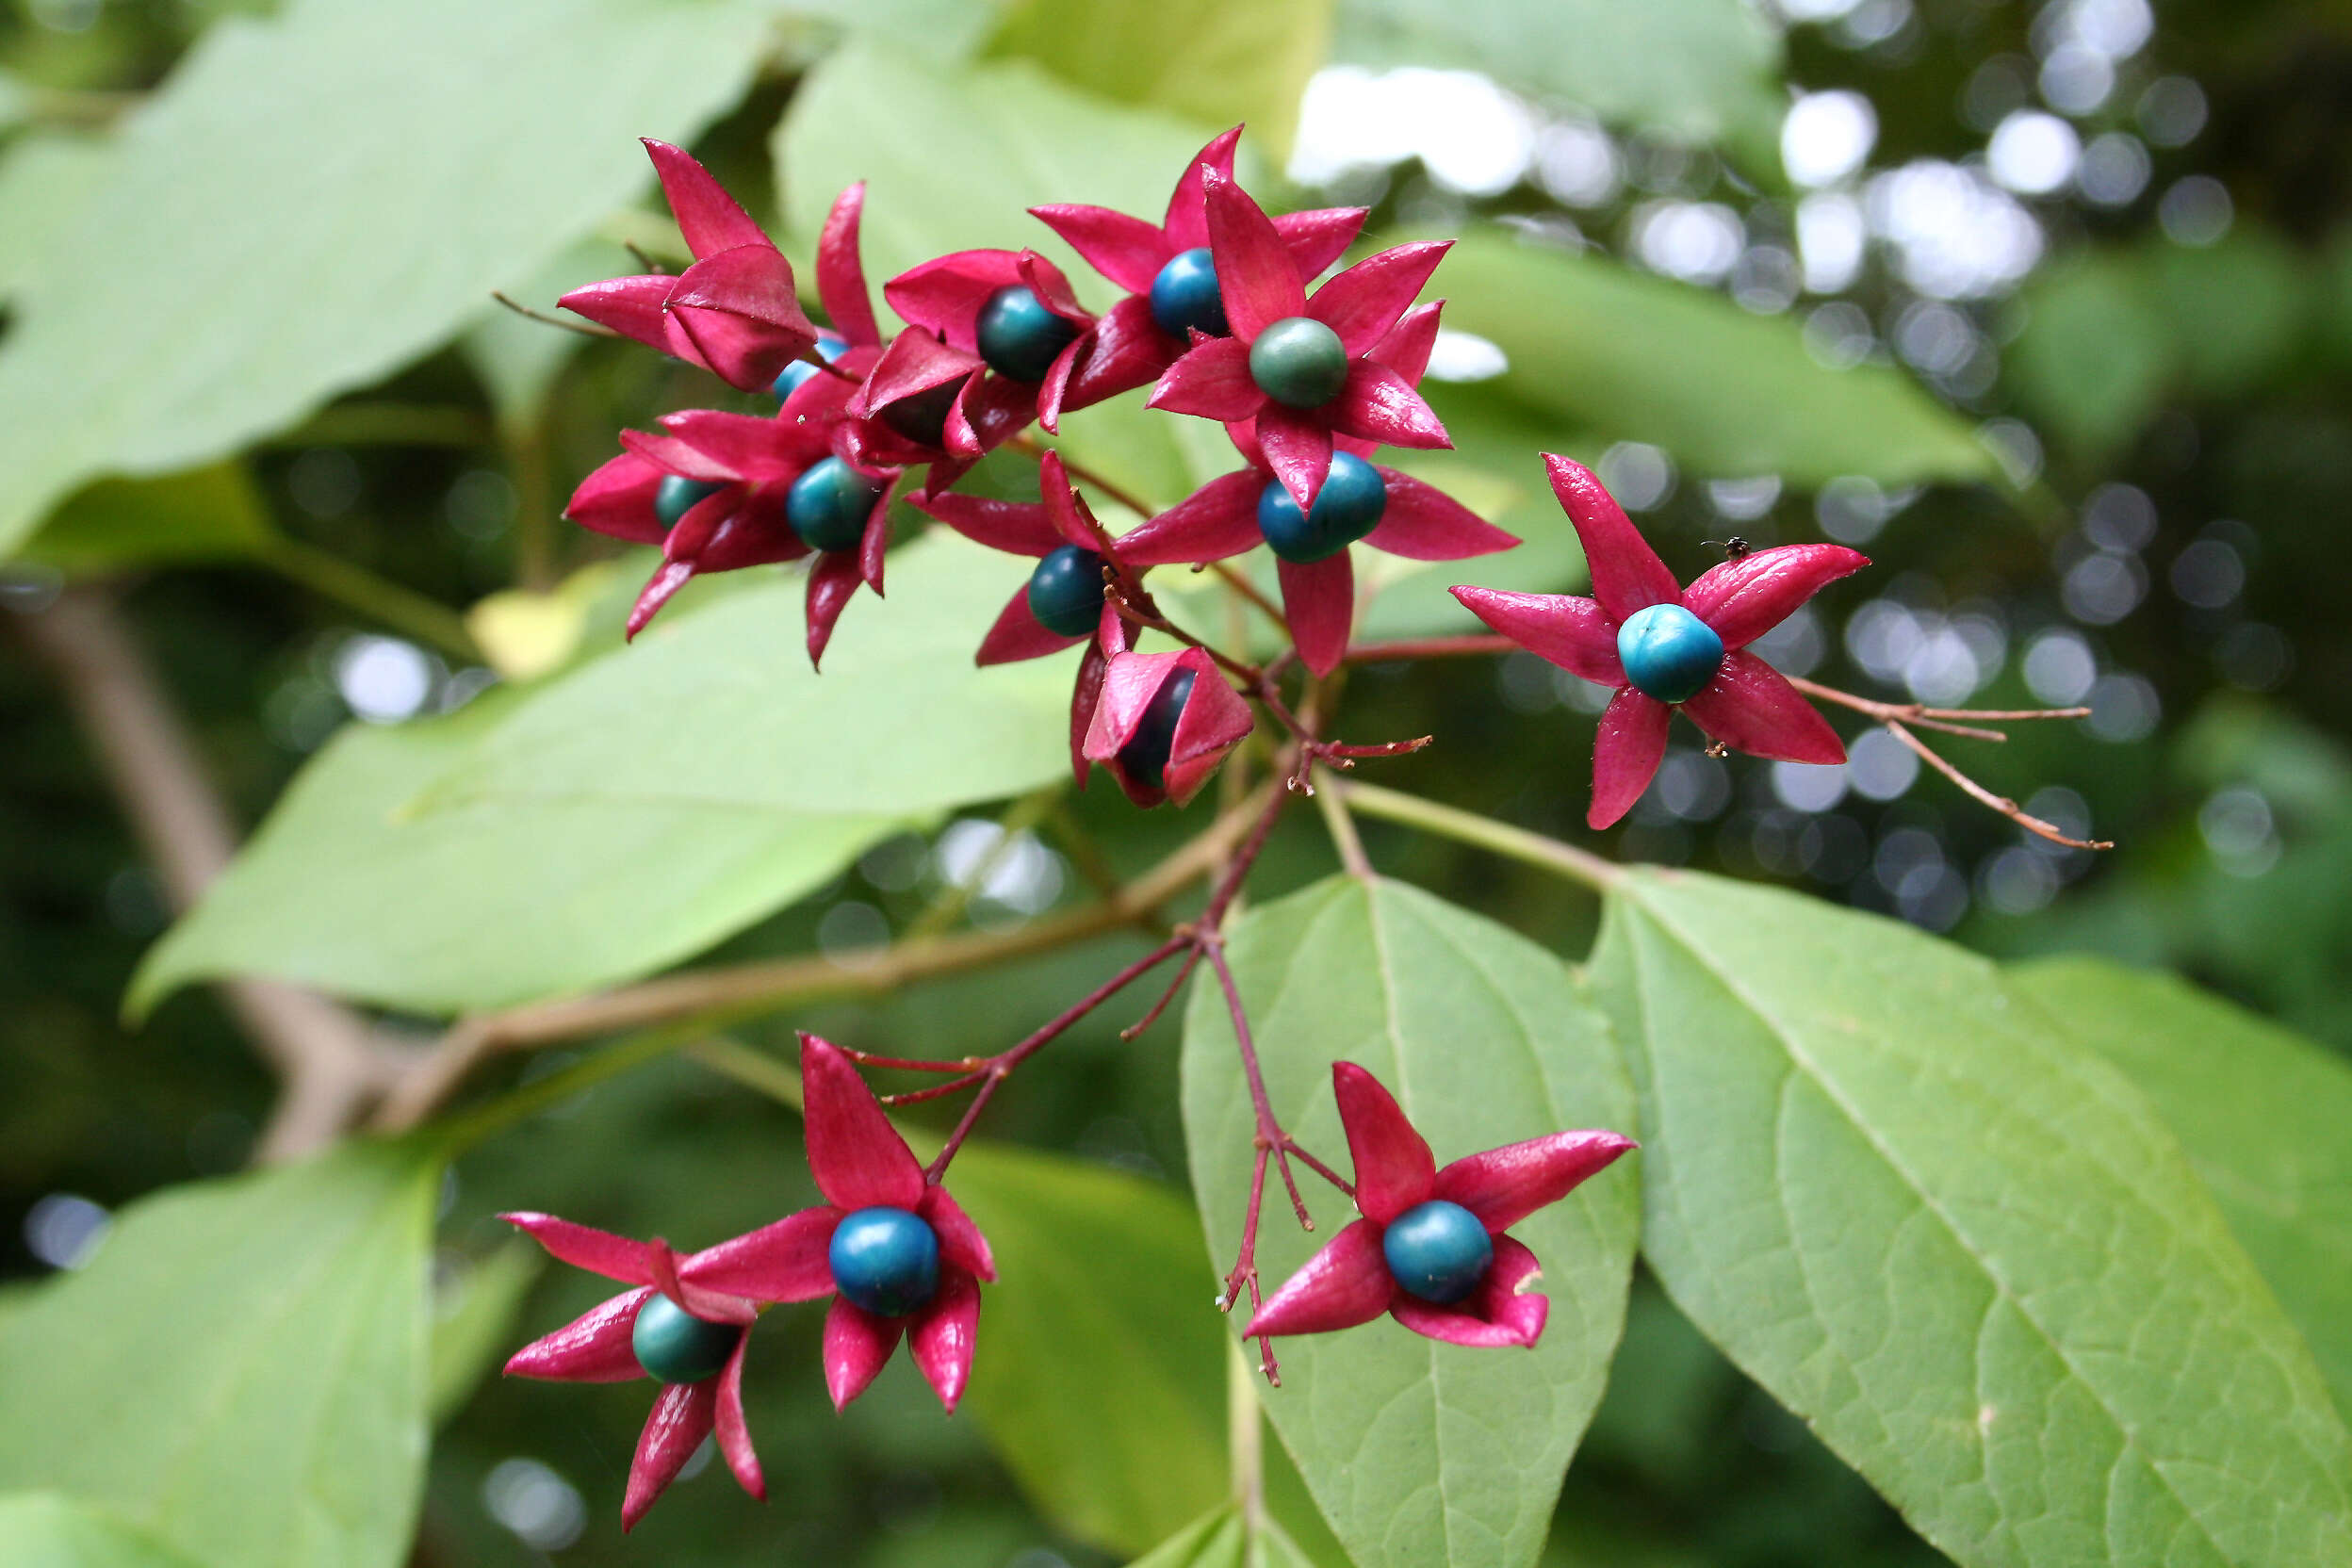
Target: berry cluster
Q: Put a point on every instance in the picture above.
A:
(1221, 318)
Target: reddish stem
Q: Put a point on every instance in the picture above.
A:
(1426, 648)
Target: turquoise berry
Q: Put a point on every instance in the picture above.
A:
(922, 418)
(827, 506)
(1299, 362)
(1019, 337)
(677, 495)
(677, 1346)
(830, 347)
(1437, 1251)
(1346, 509)
(885, 1259)
(1144, 757)
(1066, 591)
(1668, 652)
(1185, 297)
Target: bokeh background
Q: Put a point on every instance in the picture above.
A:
(2112, 237)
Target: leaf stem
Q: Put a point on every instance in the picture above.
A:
(1450, 821)
(381, 599)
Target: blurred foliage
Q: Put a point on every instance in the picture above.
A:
(2180, 460)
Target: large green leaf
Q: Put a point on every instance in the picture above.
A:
(1099, 1375)
(1697, 69)
(1207, 59)
(953, 160)
(40, 1529)
(723, 710)
(311, 201)
(45, 178)
(1957, 1244)
(2261, 1111)
(2094, 354)
(241, 1371)
(1617, 354)
(1419, 1452)
(205, 515)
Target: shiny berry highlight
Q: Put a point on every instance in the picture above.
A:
(827, 506)
(1066, 591)
(1299, 362)
(1668, 652)
(675, 1346)
(885, 1259)
(1437, 1251)
(1185, 299)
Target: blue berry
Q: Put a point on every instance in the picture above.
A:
(676, 496)
(1346, 509)
(1066, 591)
(1299, 362)
(1019, 337)
(1437, 1251)
(885, 1259)
(677, 1346)
(1668, 652)
(921, 416)
(1144, 757)
(830, 347)
(1185, 296)
(827, 506)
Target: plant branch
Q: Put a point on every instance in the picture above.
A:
(717, 996)
(380, 600)
(584, 329)
(1517, 844)
(1978, 793)
(329, 1063)
(1427, 647)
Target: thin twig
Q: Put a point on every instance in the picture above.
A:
(1519, 843)
(585, 329)
(1426, 648)
(1345, 838)
(2001, 803)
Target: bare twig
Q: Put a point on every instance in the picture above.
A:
(1427, 647)
(2001, 803)
(330, 1064)
(584, 329)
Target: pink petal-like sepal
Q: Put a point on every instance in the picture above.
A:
(1626, 574)
(1017, 528)
(1297, 448)
(1317, 238)
(1378, 404)
(584, 1246)
(1185, 222)
(1573, 633)
(681, 1418)
(1255, 274)
(1751, 706)
(738, 309)
(1627, 747)
(1345, 1284)
(1745, 598)
(944, 296)
(857, 1345)
(1018, 634)
(1212, 380)
(781, 1262)
(1504, 1311)
(1362, 304)
(734, 1435)
(841, 275)
(1125, 250)
(1502, 1187)
(1319, 605)
(708, 217)
(1423, 523)
(942, 1334)
(961, 1244)
(858, 1158)
(1213, 720)
(593, 1348)
(1395, 1170)
(636, 308)
(617, 499)
(1217, 520)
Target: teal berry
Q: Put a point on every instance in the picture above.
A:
(1185, 296)
(1066, 591)
(675, 1346)
(1437, 1251)
(921, 416)
(885, 1259)
(677, 495)
(1144, 757)
(827, 505)
(1668, 652)
(1346, 509)
(1299, 362)
(1019, 337)
(830, 347)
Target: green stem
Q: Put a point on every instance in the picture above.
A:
(1468, 827)
(1245, 1439)
(389, 424)
(403, 610)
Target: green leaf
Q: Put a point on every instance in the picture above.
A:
(1207, 59)
(2093, 355)
(954, 159)
(206, 514)
(473, 1320)
(1614, 353)
(45, 177)
(2261, 1111)
(40, 1529)
(346, 889)
(1700, 70)
(1419, 1452)
(241, 1371)
(397, 212)
(2239, 309)
(1221, 1539)
(722, 711)
(1957, 1244)
(1100, 1373)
